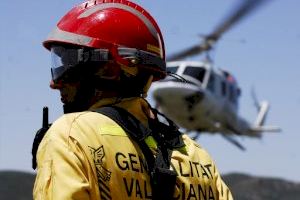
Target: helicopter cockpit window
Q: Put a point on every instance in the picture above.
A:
(172, 70)
(195, 72)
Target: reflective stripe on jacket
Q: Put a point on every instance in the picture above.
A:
(87, 156)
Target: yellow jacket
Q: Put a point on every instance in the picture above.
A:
(87, 156)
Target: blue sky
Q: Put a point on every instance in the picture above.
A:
(268, 59)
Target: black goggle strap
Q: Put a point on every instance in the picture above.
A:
(141, 57)
(135, 56)
(125, 56)
(129, 58)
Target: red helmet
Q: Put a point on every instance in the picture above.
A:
(119, 26)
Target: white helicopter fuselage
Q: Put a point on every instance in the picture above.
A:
(201, 98)
(187, 104)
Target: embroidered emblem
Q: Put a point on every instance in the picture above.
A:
(103, 174)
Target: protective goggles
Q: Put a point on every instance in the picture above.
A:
(64, 58)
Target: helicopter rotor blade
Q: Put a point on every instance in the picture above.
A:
(240, 12)
(196, 49)
(255, 99)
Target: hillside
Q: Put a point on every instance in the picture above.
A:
(16, 185)
(245, 187)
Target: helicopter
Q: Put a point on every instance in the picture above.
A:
(200, 97)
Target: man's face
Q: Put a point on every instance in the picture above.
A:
(70, 95)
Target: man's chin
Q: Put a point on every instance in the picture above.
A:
(63, 100)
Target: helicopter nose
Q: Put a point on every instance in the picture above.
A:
(193, 99)
(159, 99)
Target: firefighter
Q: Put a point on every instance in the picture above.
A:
(109, 144)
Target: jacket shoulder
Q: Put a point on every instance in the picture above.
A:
(79, 124)
(195, 150)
